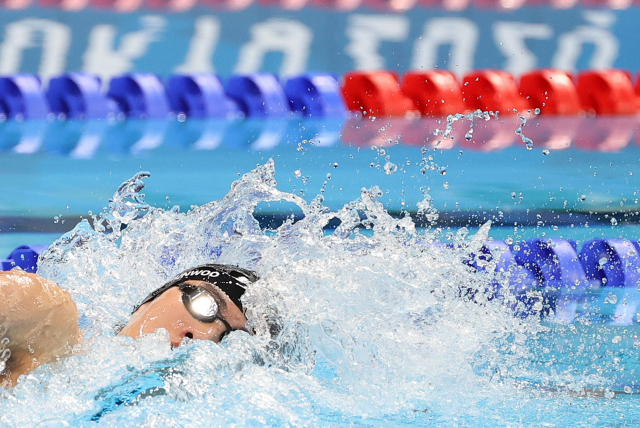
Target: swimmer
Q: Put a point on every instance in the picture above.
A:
(40, 320)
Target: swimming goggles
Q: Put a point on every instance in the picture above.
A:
(202, 305)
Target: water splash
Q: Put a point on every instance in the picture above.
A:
(5, 353)
(486, 116)
(371, 323)
(528, 142)
(478, 114)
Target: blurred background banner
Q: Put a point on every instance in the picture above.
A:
(107, 42)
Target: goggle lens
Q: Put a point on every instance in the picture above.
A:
(200, 303)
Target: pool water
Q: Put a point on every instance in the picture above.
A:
(378, 326)
(374, 329)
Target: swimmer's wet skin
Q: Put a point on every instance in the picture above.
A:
(41, 321)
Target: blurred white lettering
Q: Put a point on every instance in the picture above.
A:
(606, 44)
(54, 37)
(460, 33)
(101, 57)
(510, 38)
(199, 57)
(292, 38)
(366, 32)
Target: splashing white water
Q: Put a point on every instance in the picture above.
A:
(375, 321)
(5, 353)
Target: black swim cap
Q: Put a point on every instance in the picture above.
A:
(232, 280)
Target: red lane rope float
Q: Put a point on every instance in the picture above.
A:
(435, 93)
(607, 92)
(492, 90)
(552, 91)
(376, 93)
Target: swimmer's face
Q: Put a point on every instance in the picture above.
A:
(168, 311)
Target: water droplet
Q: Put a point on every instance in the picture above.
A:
(616, 339)
(602, 261)
(328, 176)
(443, 172)
(56, 219)
(335, 164)
(613, 299)
(583, 197)
(468, 136)
(628, 389)
(609, 394)
(297, 173)
(614, 222)
(390, 168)
(182, 117)
(509, 240)
(446, 185)
(545, 152)
(537, 111)
(513, 195)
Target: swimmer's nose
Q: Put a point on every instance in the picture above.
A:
(176, 339)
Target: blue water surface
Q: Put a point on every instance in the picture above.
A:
(376, 328)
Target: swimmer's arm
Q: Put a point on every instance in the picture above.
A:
(40, 321)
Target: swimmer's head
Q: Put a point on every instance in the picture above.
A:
(200, 303)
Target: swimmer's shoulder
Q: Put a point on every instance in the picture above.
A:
(26, 295)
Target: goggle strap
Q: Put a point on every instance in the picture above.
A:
(226, 324)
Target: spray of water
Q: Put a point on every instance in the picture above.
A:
(486, 116)
(369, 322)
(5, 353)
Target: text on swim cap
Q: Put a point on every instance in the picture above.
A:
(205, 273)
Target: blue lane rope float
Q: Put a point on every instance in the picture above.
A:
(555, 265)
(519, 278)
(146, 96)
(315, 96)
(200, 96)
(259, 95)
(140, 95)
(598, 285)
(79, 96)
(614, 264)
(21, 97)
(25, 257)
